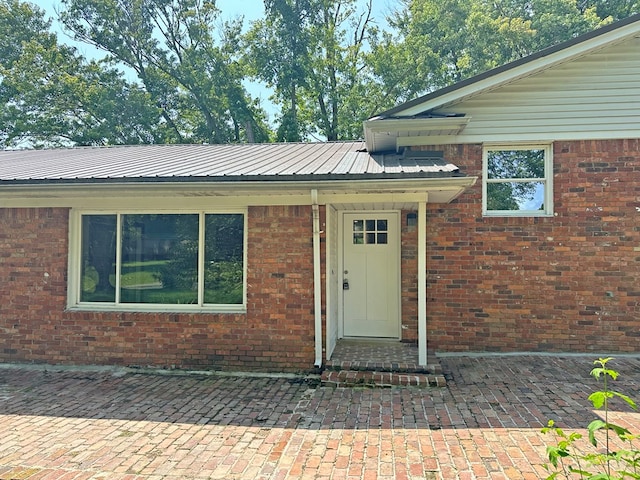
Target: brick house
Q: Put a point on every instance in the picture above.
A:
(498, 214)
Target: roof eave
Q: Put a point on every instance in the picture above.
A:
(446, 187)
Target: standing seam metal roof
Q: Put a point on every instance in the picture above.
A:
(261, 161)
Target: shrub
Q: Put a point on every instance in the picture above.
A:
(567, 460)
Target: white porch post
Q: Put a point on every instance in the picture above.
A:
(422, 283)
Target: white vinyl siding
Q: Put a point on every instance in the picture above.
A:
(593, 97)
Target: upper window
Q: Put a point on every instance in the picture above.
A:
(517, 181)
(190, 260)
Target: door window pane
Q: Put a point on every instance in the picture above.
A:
(375, 232)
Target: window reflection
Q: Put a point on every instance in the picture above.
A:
(375, 232)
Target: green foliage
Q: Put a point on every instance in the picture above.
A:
(329, 64)
(194, 79)
(567, 459)
(312, 54)
(89, 279)
(223, 282)
(50, 95)
(434, 43)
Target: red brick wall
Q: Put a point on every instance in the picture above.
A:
(567, 283)
(280, 284)
(33, 272)
(276, 334)
(409, 272)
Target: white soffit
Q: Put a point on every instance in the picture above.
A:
(391, 134)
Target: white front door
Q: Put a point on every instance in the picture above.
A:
(371, 274)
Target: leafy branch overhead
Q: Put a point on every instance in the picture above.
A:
(173, 71)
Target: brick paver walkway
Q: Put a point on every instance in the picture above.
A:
(484, 425)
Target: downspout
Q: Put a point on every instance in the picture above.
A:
(317, 287)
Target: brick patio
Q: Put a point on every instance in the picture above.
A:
(485, 424)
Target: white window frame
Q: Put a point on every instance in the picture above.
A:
(547, 180)
(75, 265)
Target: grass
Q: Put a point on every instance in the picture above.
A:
(145, 276)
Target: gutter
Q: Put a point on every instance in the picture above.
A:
(317, 287)
(360, 183)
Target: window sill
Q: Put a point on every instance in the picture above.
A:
(503, 214)
(137, 308)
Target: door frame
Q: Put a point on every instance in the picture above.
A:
(341, 255)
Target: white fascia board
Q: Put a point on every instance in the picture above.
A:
(544, 137)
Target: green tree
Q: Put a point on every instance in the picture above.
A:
(311, 53)
(616, 9)
(279, 55)
(50, 95)
(434, 43)
(337, 95)
(194, 79)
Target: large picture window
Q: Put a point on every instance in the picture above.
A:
(191, 260)
(517, 181)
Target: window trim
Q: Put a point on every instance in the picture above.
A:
(547, 148)
(74, 281)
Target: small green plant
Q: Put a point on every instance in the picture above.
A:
(568, 460)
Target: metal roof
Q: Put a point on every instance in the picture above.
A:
(256, 162)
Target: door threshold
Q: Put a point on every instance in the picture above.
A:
(370, 339)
